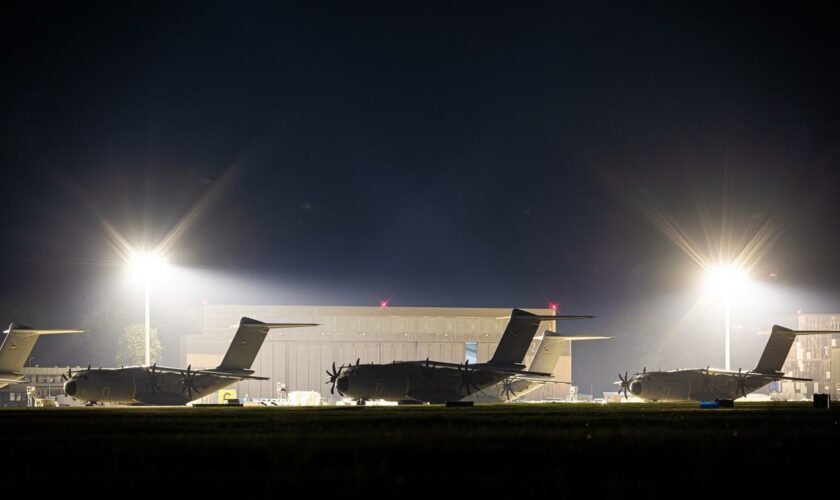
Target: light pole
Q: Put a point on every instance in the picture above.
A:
(148, 360)
(724, 281)
(147, 265)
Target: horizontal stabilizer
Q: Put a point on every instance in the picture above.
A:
(25, 330)
(519, 332)
(582, 337)
(9, 381)
(778, 346)
(788, 331)
(272, 326)
(537, 317)
(246, 344)
(18, 344)
(555, 335)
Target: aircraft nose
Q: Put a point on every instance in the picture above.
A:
(343, 385)
(70, 388)
(636, 388)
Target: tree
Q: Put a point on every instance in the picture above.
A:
(131, 349)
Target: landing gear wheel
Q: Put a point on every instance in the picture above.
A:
(360, 402)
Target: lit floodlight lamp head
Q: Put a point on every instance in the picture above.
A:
(145, 264)
(725, 279)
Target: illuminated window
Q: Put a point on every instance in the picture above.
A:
(471, 351)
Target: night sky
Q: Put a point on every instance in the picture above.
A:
(458, 154)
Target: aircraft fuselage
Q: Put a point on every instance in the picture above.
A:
(138, 385)
(695, 385)
(414, 381)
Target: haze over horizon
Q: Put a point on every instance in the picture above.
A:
(460, 154)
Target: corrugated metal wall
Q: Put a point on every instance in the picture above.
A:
(299, 358)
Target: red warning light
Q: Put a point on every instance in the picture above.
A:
(383, 303)
(553, 306)
(774, 275)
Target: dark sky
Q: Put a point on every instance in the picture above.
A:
(459, 154)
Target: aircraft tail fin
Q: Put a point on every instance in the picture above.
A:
(247, 342)
(551, 348)
(518, 335)
(778, 347)
(18, 344)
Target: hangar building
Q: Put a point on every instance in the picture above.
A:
(298, 358)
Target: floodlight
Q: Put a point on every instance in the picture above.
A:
(725, 279)
(146, 265)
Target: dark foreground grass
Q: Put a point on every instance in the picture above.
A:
(548, 449)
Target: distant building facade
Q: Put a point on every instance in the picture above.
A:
(297, 359)
(816, 357)
(46, 381)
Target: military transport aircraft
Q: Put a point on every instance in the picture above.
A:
(15, 350)
(156, 385)
(438, 382)
(705, 384)
(545, 361)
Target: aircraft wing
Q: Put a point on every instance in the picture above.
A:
(10, 381)
(523, 374)
(233, 375)
(796, 379)
(539, 379)
(218, 373)
(517, 370)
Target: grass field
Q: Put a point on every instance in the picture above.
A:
(604, 449)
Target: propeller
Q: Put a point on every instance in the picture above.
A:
(507, 389)
(625, 384)
(466, 374)
(152, 380)
(189, 383)
(68, 376)
(741, 383)
(428, 371)
(334, 376)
